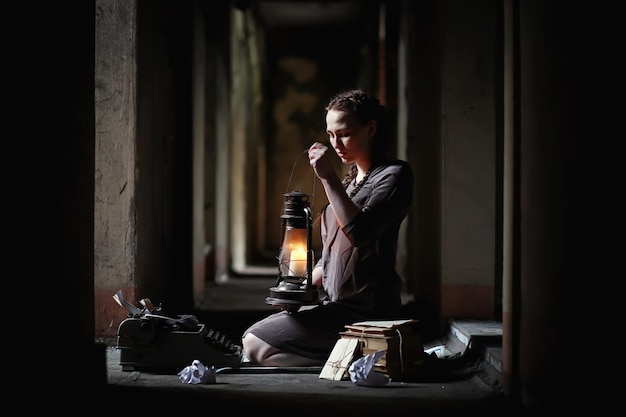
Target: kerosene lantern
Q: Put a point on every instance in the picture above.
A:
(294, 286)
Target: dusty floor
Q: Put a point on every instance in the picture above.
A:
(470, 389)
(455, 383)
(462, 380)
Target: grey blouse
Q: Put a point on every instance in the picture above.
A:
(359, 260)
(359, 279)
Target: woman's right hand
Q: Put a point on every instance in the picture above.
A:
(321, 160)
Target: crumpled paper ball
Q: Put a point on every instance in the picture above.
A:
(197, 373)
(362, 371)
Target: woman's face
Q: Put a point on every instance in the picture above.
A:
(350, 139)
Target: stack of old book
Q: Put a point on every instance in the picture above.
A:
(401, 339)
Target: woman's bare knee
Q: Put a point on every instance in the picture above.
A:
(264, 354)
(256, 349)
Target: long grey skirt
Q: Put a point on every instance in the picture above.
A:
(311, 333)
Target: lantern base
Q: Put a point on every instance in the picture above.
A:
(290, 296)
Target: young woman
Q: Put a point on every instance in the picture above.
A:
(359, 231)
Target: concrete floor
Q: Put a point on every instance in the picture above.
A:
(465, 379)
(469, 389)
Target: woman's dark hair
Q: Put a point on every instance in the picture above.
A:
(365, 107)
